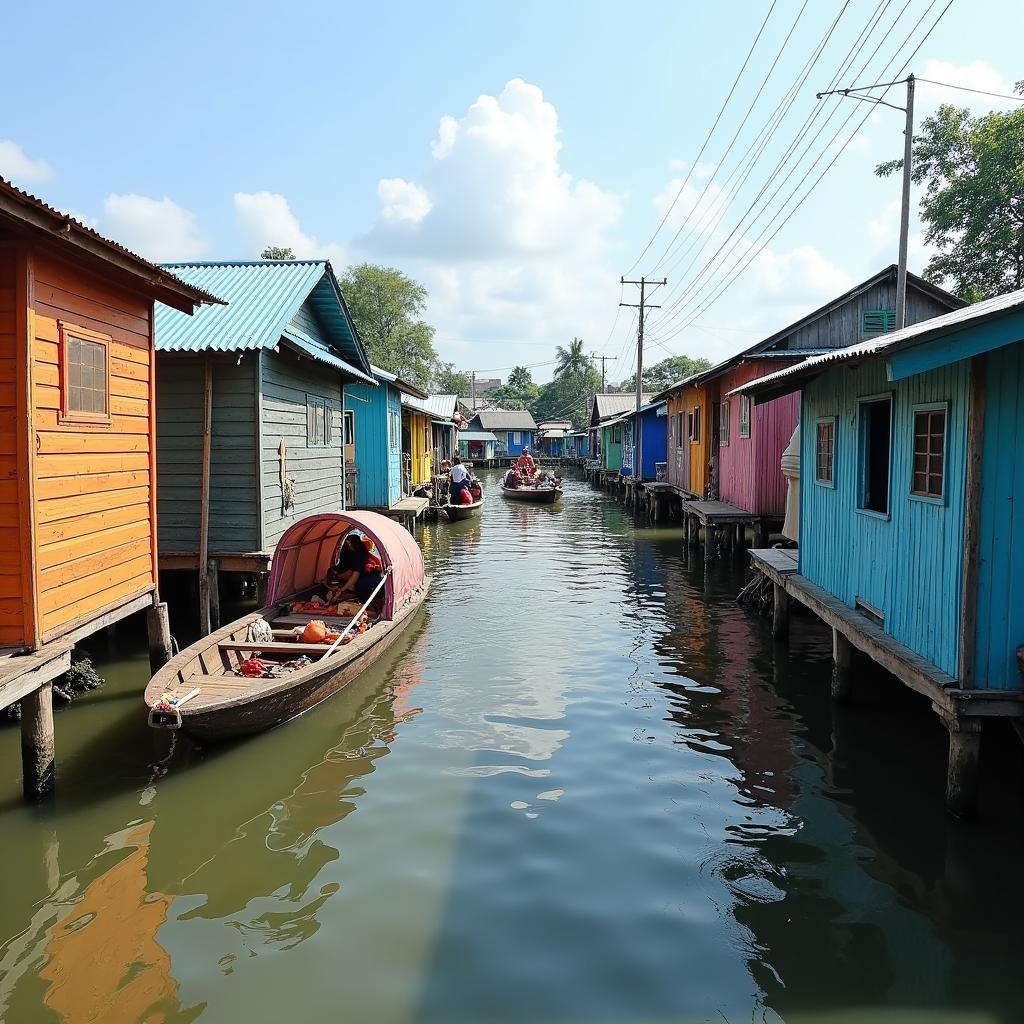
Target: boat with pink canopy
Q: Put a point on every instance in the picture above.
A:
(308, 642)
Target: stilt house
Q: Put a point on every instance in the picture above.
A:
(722, 448)
(417, 444)
(250, 412)
(77, 449)
(513, 430)
(645, 437)
(911, 537)
(551, 435)
(373, 428)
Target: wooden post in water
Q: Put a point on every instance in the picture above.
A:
(780, 612)
(37, 749)
(158, 629)
(962, 768)
(842, 661)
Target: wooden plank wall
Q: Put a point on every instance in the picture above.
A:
(12, 616)
(94, 544)
(379, 466)
(234, 512)
(1000, 609)
(909, 565)
(286, 381)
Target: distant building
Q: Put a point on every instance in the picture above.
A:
(484, 384)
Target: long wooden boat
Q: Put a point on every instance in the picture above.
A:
(538, 495)
(459, 512)
(217, 702)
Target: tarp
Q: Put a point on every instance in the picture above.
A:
(308, 548)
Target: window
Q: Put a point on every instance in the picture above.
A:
(929, 452)
(877, 321)
(85, 375)
(824, 452)
(394, 430)
(617, 434)
(517, 437)
(723, 423)
(875, 454)
(350, 427)
(695, 425)
(679, 430)
(744, 416)
(318, 422)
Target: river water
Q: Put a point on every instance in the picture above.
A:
(585, 786)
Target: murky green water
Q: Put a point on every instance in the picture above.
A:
(585, 787)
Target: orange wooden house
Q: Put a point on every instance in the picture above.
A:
(77, 455)
(692, 417)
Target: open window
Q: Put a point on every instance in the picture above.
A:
(723, 423)
(84, 374)
(875, 425)
(695, 425)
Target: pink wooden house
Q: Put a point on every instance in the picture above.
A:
(752, 438)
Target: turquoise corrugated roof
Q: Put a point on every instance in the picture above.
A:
(305, 344)
(263, 296)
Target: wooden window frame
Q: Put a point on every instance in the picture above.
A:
(394, 430)
(680, 416)
(745, 416)
(724, 412)
(76, 417)
(348, 427)
(695, 425)
(314, 402)
(930, 407)
(517, 437)
(862, 461)
(821, 421)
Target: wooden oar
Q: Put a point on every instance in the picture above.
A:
(355, 618)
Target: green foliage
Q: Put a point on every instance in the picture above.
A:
(659, 376)
(276, 252)
(518, 392)
(387, 308)
(449, 381)
(575, 380)
(973, 207)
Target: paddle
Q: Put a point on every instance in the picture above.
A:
(355, 618)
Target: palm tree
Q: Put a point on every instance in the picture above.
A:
(572, 361)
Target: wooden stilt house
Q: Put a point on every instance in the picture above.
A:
(605, 432)
(77, 450)
(645, 440)
(250, 413)
(513, 429)
(911, 536)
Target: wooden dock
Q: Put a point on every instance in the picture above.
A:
(406, 511)
(718, 515)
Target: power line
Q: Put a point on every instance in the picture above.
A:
(967, 88)
(707, 139)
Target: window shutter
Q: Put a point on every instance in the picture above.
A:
(877, 321)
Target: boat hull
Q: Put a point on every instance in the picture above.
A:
(459, 512)
(543, 496)
(297, 693)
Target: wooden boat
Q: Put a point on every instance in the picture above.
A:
(538, 495)
(458, 512)
(214, 701)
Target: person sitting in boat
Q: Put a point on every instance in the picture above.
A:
(513, 481)
(352, 557)
(525, 465)
(460, 484)
(372, 572)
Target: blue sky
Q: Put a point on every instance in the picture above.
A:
(516, 158)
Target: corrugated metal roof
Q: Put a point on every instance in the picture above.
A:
(154, 274)
(401, 385)
(308, 346)
(916, 334)
(476, 435)
(614, 404)
(442, 406)
(506, 419)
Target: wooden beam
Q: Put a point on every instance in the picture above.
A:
(37, 747)
(20, 674)
(204, 499)
(972, 523)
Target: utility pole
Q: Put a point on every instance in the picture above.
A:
(474, 390)
(643, 305)
(604, 359)
(908, 151)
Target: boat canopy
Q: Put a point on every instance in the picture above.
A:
(308, 549)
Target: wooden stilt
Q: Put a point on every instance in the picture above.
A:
(760, 534)
(962, 768)
(780, 612)
(842, 661)
(709, 543)
(159, 631)
(37, 751)
(213, 575)
(692, 531)
(262, 579)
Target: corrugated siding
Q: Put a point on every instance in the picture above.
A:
(316, 470)
(611, 457)
(94, 545)
(1000, 628)
(379, 465)
(12, 615)
(234, 512)
(910, 565)
(655, 442)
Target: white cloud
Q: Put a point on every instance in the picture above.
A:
(17, 166)
(976, 75)
(402, 201)
(158, 229)
(265, 218)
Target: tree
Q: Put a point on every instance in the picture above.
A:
(449, 381)
(276, 252)
(575, 380)
(386, 306)
(661, 375)
(973, 207)
(572, 360)
(518, 392)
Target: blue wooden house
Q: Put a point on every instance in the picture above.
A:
(373, 437)
(649, 427)
(911, 535)
(577, 444)
(513, 430)
(551, 435)
(249, 413)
